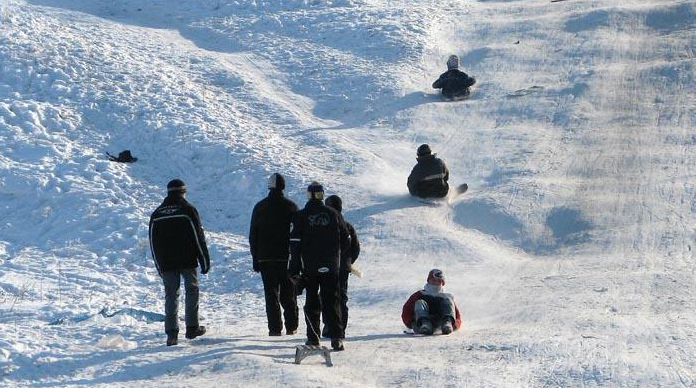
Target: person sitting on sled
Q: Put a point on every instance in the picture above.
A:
(429, 177)
(432, 308)
(454, 83)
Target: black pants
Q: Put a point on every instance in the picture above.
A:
(323, 299)
(343, 304)
(279, 291)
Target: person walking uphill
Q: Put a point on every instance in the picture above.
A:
(432, 308)
(429, 176)
(317, 239)
(269, 241)
(178, 246)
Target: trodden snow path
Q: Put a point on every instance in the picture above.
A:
(570, 255)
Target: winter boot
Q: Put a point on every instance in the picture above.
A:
(194, 331)
(447, 326)
(310, 342)
(275, 333)
(337, 344)
(290, 331)
(424, 326)
(172, 337)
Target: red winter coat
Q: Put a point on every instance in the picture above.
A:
(407, 310)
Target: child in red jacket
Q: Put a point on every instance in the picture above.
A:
(431, 308)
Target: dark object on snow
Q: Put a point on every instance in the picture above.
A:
(429, 177)
(123, 157)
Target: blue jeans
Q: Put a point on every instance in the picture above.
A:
(434, 309)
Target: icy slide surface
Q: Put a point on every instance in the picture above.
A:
(570, 256)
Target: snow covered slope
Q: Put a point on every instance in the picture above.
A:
(570, 256)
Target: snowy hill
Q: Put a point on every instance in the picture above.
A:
(570, 256)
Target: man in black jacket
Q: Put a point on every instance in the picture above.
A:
(178, 245)
(429, 177)
(348, 257)
(317, 239)
(454, 83)
(269, 241)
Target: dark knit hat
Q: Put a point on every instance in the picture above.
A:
(335, 202)
(436, 274)
(176, 185)
(315, 191)
(276, 181)
(423, 150)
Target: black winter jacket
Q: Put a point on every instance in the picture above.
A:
(177, 240)
(269, 234)
(454, 82)
(429, 178)
(351, 254)
(318, 237)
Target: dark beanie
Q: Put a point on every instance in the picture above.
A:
(176, 185)
(335, 202)
(315, 191)
(276, 181)
(423, 150)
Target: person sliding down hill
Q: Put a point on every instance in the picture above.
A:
(454, 83)
(428, 179)
(431, 308)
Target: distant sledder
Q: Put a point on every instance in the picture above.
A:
(429, 176)
(431, 308)
(454, 83)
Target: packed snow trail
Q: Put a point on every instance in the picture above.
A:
(570, 255)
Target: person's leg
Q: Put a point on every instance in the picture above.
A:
(312, 309)
(446, 314)
(172, 283)
(331, 307)
(288, 299)
(271, 290)
(343, 283)
(421, 314)
(191, 286)
(193, 329)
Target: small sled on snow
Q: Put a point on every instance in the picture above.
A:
(304, 351)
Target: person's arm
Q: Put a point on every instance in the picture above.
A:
(295, 265)
(253, 239)
(472, 81)
(203, 257)
(152, 247)
(407, 314)
(354, 244)
(457, 317)
(438, 84)
(345, 242)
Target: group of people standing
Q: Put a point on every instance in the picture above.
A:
(311, 249)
